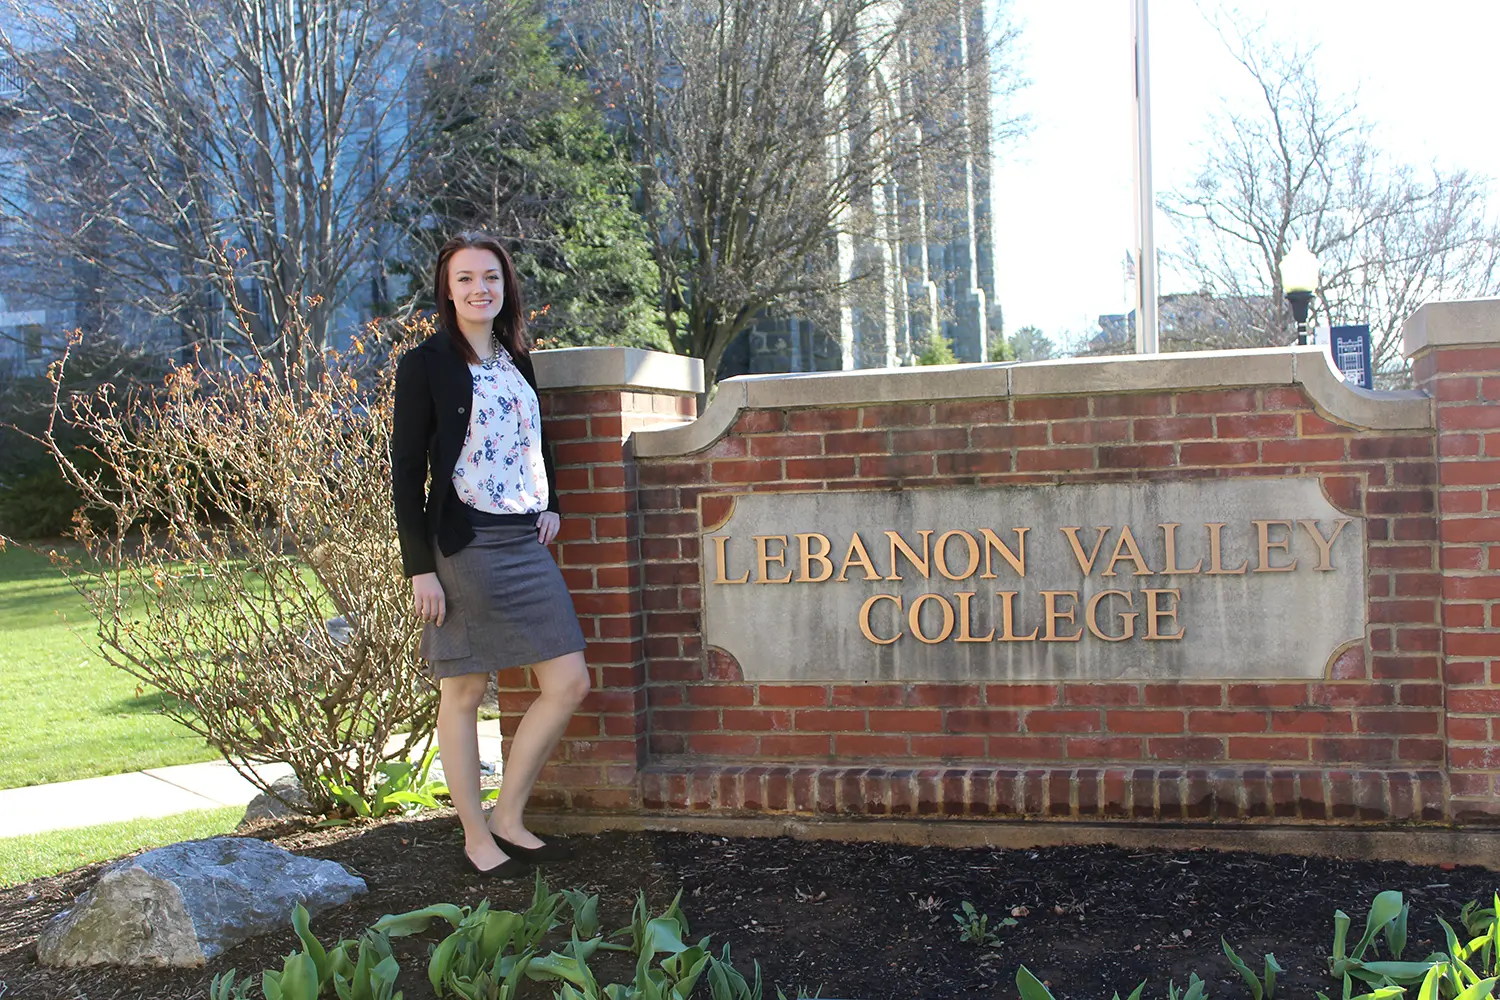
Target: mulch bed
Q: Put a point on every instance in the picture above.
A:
(856, 920)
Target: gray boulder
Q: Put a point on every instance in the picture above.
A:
(288, 800)
(182, 905)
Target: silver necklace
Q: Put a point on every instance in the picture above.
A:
(493, 361)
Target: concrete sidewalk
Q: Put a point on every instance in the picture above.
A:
(161, 791)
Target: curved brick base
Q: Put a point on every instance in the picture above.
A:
(1143, 793)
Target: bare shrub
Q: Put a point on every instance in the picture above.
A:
(233, 511)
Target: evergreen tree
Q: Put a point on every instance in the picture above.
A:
(525, 154)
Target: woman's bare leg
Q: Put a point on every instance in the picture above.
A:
(458, 742)
(563, 682)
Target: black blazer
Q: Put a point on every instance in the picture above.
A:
(434, 391)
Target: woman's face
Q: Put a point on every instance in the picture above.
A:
(475, 285)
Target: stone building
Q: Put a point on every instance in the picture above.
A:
(933, 273)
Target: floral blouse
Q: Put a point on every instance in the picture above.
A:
(500, 468)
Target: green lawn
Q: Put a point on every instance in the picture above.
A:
(35, 855)
(64, 712)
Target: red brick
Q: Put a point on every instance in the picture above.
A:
(1303, 450)
(1350, 695)
(1172, 428)
(896, 466)
(760, 422)
(723, 745)
(1268, 748)
(820, 468)
(1485, 701)
(1257, 425)
(1020, 694)
(963, 463)
(1484, 416)
(1105, 747)
(930, 439)
(1460, 445)
(1404, 668)
(992, 411)
(1184, 694)
(1283, 399)
(1219, 452)
(945, 695)
(752, 470)
(1311, 424)
(822, 420)
(948, 746)
(1411, 723)
(911, 415)
(983, 720)
(1101, 694)
(826, 720)
(1353, 750)
(1061, 721)
(794, 445)
(1268, 695)
(1311, 722)
(757, 719)
(1185, 748)
(1132, 405)
(868, 695)
(1008, 436)
(793, 695)
(1054, 459)
(1362, 448)
(864, 745)
(1026, 748)
(1090, 431)
(1144, 721)
(929, 720)
(1227, 722)
(1217, 401)
(1053, 408)
(1136, 456)
(1472, 644)
(799, 746)
(1471, 730)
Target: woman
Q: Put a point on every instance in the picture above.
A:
(474, 543)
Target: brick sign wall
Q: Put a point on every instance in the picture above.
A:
(1395, 727)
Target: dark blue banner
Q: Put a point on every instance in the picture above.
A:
(1350, 346)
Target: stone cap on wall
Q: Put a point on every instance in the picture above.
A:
(1310, 367)
(1461, 323)
(564, 368)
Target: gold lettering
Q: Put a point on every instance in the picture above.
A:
(1169, 531)
(922, 565)
(857, 555)
(964, 620)
(1127, 549)
(1325, 545)
(1091, 613)
(913, 618)
(1053, 615)
(1215, 553)
(940, 554)
(992, 543)
(809, 557)
(721, 550)
(1008, 619)
(1153, 613)
(764, 558)
(1263, 533)
(864, 618)
(1087, 567)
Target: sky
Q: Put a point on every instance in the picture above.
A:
(1063, 195)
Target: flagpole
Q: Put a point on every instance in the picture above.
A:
(1146, 340)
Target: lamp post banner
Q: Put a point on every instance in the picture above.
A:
(1241, 579)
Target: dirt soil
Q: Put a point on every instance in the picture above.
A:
(858, 921)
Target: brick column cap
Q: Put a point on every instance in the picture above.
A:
(627, 368)
(1459, 323)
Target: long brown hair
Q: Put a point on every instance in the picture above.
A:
(510, 324)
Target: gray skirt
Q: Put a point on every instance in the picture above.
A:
(507, 604)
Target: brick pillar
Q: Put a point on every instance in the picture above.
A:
(592, 399)
(1455, 352)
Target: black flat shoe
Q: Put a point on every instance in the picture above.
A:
(547, 852)
(511, 867)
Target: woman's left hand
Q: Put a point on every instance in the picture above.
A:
(547, 525)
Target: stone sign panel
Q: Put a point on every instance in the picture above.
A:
(1236, 579)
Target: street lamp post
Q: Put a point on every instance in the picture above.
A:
(1299, 280)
